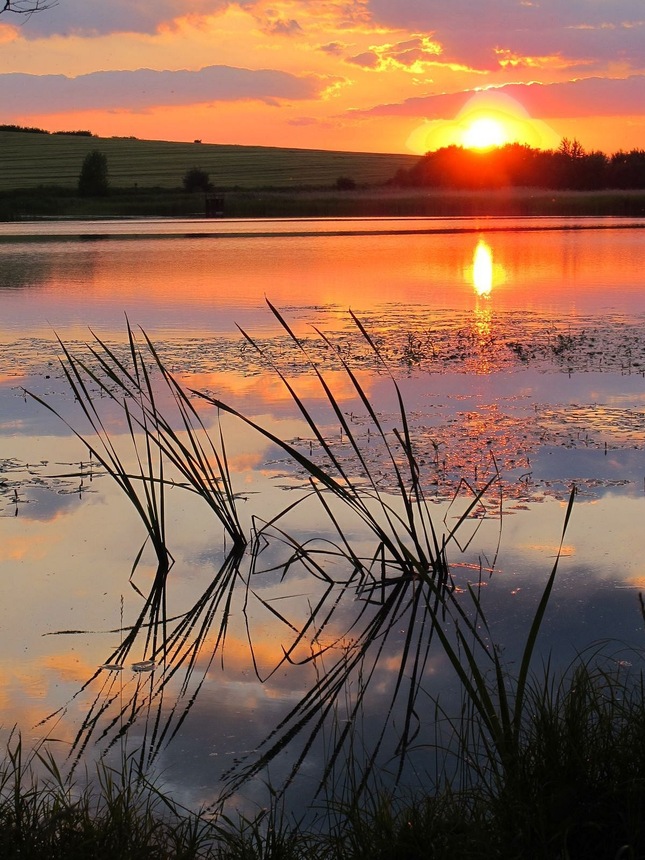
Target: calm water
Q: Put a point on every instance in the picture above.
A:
(519, 345)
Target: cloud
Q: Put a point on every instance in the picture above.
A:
(138, 90)
(99, 17)
(586, 97)
(411, 55)
(334, 49)
(282, 27)
(366, 60)
(472, 34)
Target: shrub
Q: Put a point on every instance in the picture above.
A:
(93, 179)
(196, 179)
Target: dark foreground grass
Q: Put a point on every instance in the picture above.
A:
(576, 790)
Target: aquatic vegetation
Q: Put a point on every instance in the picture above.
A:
(403, 575)
(156, 443)
(577, 791)
(391, 595)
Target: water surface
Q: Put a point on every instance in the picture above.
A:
(519, 348)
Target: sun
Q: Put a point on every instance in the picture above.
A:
(484, 132)
(487, 119)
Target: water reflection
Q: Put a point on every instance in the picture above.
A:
(223, 281)
(482, 368)
(483, 269)
(484, 273)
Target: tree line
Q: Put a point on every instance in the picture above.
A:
(30, 129)
(569, 167)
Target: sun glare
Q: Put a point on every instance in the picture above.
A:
(483, 133)
(483, 269)
(489, 118)
(484, 273)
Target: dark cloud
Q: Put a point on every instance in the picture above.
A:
(586, 97)
(138, 90)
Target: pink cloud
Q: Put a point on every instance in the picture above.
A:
(585, 97)
(97, 17)
(335, 49)
(471, 33)
(144, 88)
(366, 60)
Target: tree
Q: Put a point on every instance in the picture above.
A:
(197, 179)
(571, 148)
(25, 7)
(93, 178)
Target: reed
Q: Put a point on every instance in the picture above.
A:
(512, 733)
(180, 441)
(579, 793)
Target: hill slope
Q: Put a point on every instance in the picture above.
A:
(29, 160)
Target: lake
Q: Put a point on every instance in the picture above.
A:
(518, 348)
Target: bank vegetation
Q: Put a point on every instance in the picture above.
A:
(39, 178)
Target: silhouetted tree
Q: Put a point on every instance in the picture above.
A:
(93, 178)
(571, 149)
(578, 169)
(516, 165)
(197, 179)
(627, 169)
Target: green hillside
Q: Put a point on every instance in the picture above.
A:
(29, 160)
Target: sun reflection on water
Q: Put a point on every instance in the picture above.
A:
(482, 269)
(484, 274)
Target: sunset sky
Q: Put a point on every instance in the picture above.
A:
(363, 75)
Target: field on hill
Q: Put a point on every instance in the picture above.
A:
(30, 160)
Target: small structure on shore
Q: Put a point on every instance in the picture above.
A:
(214, 205)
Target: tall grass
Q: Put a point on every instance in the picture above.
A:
(579, 794)
(48, 815)
(512, 750)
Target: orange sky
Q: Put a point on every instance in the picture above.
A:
(367, 75)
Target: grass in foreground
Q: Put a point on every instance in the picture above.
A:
(578, 793)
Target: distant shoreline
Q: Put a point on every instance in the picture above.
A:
(39, 179)
(390, 202)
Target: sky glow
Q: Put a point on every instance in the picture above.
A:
(362, 75)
